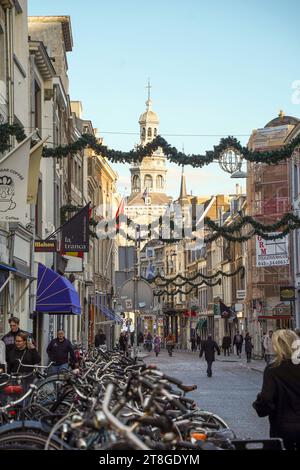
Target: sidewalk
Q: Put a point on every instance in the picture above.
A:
(255, 364)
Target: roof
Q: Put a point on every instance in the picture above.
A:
(65, 24)
(283, 121)
(149, 116)
(156, 199)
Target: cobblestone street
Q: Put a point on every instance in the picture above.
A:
(229, 393)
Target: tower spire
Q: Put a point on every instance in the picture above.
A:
(149, 100)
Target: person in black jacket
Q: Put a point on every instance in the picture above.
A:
(226, 343)
(209, 347)
(280, 395)
(23, 351)
(10, 337)
(59, 351)
(248, 346)
(100, 339)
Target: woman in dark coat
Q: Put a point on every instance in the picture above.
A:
(280, 395)
(209, 347)
(248, 347)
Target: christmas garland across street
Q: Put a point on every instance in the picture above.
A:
(271, 157)
(204, 276)
(180, 291)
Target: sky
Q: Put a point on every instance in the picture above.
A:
(216, 68)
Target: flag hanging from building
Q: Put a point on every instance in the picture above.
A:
(150, 271)
(34, 171)
(226, 312)
(75, 233)
(120, 210)
(14, 183)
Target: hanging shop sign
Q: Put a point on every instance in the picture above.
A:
(75, 232)
(287, 293)
(272, 252)
(45, 246)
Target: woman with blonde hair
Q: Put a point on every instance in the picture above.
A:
(280, 395)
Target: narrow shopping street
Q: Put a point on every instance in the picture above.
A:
(228, 393)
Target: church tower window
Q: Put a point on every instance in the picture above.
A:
(159, 182)
(149, 132)
(136, 182)
(155, 132)
(143, 132)
(148, 181)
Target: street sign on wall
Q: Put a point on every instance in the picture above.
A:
(287, 293)
(272, 252)
(240, 294)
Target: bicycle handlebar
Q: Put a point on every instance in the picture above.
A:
(32, 387)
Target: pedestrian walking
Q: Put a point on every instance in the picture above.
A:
(60, 351)
(140, 338)
(10, 337)
(268, 345)
(280, 395)
(238, 342)
(248, 347)
(193, 343)
(198, 341)
(226, 345)
(262, 345)
(123, 341)
(156, 343)
(209, 347)
(100, 339)
(170, 343)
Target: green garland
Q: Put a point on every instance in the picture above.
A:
(193, 278)
(271, 157)
(180, 291)
(289, 220)
(7, 130)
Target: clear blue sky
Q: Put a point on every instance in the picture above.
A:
(216, 67)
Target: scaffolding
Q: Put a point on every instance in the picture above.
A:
(268, 194)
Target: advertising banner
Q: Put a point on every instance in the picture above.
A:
(272, 252)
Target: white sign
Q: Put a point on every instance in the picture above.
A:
(272, 252)
(240, 294)
(239, 307)
(14, 182)
(128, 303)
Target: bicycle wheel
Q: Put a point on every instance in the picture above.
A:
(49, 390)
(28, 440)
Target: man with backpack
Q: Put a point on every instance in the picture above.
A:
(238, 342)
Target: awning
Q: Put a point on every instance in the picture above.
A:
(110, 314)
(56, 294)
(6, 267)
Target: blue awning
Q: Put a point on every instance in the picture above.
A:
(56, 294)
(110, 314)
(6, 267)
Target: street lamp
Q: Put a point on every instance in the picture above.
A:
(239, 174)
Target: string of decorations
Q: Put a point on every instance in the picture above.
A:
(8, 130)
(257, 229)
(218, 273)
(248, 220)
(271, 157)
(180, 291)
